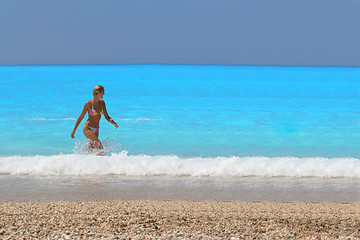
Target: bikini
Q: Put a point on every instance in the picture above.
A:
(93, 112)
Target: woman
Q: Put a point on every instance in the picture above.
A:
(95, 108)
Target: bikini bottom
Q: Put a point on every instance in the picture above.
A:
(94, 130)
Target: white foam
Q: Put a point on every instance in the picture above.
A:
(172, 165)
(73, 119)
(50, 119)
(139, 119)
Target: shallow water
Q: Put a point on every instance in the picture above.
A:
(186, 110)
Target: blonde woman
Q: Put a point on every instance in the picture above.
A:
(95, 108)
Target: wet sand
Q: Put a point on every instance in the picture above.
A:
(143, 219)
(112, 188)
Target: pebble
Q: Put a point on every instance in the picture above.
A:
(179, 220)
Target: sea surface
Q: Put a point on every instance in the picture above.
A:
(184, 123)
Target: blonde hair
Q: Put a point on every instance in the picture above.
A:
(98, 89)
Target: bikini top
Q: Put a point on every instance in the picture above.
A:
(93, 111)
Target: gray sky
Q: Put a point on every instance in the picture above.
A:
(236, 32)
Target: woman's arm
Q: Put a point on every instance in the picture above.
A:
(108, 117)
(81, 117)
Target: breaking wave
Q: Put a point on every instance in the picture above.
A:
(171, 165)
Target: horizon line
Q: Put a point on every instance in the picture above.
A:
(174, 64)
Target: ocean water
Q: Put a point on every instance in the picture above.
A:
(184, 121)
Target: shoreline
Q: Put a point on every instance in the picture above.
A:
(145, 219)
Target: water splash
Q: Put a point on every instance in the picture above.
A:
(110, 145)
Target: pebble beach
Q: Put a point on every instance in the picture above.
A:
(145, 219)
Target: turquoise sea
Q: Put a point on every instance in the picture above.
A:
(184, 120)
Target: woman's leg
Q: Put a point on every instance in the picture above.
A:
(93, 137)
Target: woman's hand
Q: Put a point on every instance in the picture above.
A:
(73, 134)
(113, 122)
